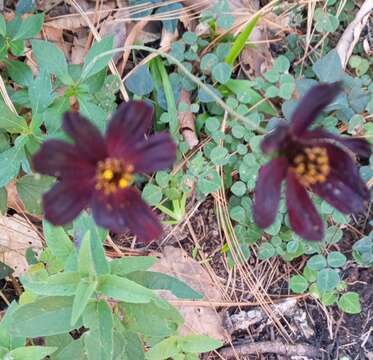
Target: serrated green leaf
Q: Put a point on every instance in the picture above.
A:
(30, 27)
(40, 93)
(165, 349)
(266, 251)
(86, 265)
(10, 121)
(2, 25)
(51, 59)
(19, 72)
(94, 61)
(30, 189)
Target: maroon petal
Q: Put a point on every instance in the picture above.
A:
(126, 210)
(360, 147)
(343, 189)
(157, 153)
(66, 200)
(88, 139)
(303, 216)
(60, 159)
(276, 139)
(128, 126)
(311, 105)
(268, 191)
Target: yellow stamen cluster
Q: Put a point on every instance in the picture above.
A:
(311, 166)
(112, 175)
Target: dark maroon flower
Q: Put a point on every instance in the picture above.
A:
(314, 160)
(97, 171)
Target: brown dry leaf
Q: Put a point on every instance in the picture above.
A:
(187, 122)
(14, 201)
(78, 50)
(16, 236)
(258, 59)
(198, 319)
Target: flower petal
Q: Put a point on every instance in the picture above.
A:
(88, 139)
(268, 191)
(311, 105)
(343, 189)
(157, 153)
(360, 147)
(128, 126)
(303, 216)
(65, 200)
(126, 210)
(276, 139)
(60, 159)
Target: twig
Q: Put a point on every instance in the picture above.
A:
(187, 120)
(352, 33)
(274, 347)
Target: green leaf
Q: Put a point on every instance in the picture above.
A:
(30, 27)
(10, 161)
(140, 82)
(5, 270)
(208, 61)
(350, 303)
(10, 121)
(209, 182)
(316, 262)
(44, 317)
(246, 95)
(240, 41)
(30, 353)
(286, 90)
(219, 155)
(60, 284)
(51, 59)
(165, 349)
(58, 241)
(86, 266)
(19, 72)
(2, 26)
(298, 284)
(151, 319)
(333, 234)
(212, 124)
(221, 73)
(127, 265)
(160, 281)
(325, 22)
(152, 194)
(327, 280)
(40, 93)
(30, 189)
(199, 344)
(336, 259)
(92, 111)
(94, 61)
(74, 350)
(84, 291)
(329, 67)
(123, 289)
(328, 298)
(99, 339)
(266, 251)
(281, 64)
(82, 225)
(309, 274)
(238, 188)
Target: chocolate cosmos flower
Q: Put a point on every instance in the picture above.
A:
(313, 160)
(97, 171)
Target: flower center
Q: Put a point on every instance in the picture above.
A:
(311, 166)
(112, 175)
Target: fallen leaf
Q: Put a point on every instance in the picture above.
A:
(198, 319)
(16, 236)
